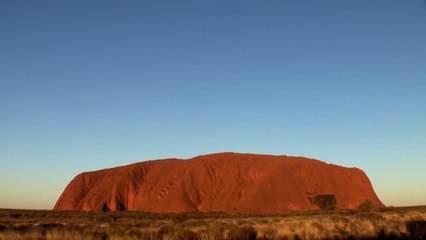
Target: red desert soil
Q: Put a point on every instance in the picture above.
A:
(223, 182)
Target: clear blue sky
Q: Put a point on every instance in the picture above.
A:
(86, 85)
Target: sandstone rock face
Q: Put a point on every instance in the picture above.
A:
(223, 182)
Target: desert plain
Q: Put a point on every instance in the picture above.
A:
(385, 223)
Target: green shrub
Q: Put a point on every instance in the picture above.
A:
(326, 201)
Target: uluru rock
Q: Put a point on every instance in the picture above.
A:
(223, 182)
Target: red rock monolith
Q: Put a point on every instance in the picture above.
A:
(223, 182)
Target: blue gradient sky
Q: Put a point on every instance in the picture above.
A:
(94, 84)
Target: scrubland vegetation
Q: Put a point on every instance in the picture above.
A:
(365, 223)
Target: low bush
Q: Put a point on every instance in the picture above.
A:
(366, 206)
(270, 233)
(417, 229)
(166, 230)
(185, 234)
(326, 201)
(215, 232)
(242, 233)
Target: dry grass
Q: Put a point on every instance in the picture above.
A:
(394, 223)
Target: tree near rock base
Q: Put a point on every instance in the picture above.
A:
(326, 201)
